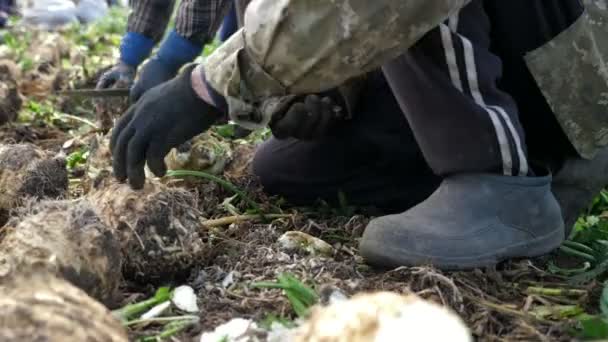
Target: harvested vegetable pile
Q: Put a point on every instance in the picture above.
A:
(203, 252)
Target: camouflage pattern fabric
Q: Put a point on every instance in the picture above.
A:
(309, 46)
(571, 72)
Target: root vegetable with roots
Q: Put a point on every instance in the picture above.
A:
(205, 152)
(10, 98)
(382, 317)
(158, 228)
(67, 239)
(41, 307)
(27, 171)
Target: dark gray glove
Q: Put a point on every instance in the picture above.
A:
(119, 76)
(165, 117)
(309, 117)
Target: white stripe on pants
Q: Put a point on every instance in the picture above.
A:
(493, 111)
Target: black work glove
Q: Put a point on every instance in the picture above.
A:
(165, 117)
(152, 74)
(309, 117)
(119, 76)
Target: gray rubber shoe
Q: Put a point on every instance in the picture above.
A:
(577, 183)
(471, 221)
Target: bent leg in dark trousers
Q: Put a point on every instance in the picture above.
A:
(373, 159)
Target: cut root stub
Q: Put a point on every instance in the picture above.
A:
(41, 307)
(158, 229)
(65, 238)
(27, 171)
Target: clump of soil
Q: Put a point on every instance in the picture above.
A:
(27, 171)
(67, 239)
(158, 228)
(10, 97)
(40, 307)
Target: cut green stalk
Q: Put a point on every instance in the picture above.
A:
(300, 296)
(568, 271)
(590, 275)
(298, 306)
(163, 294)
(579, 246)
(160, 320)
(171, 329)
(557, 312)
(554, 292)
(305, 293)
(78, 119)
(573, 252)
(224, 183)
(604, 300)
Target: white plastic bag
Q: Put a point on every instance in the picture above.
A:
(50, 14)
(88, 11)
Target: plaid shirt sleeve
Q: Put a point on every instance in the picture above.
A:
(150, 17)
(198, 20)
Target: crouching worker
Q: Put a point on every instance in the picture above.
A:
(502, 142)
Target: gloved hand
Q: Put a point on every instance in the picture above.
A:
(119, 76)
(164, 117)
(152, 74)
(134, 48)
(174, 52)
(309, 117)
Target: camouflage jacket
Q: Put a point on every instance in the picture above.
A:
(306, 46)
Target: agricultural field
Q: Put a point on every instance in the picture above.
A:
(205, 246)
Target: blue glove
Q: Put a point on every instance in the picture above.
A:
(134, 48)
(174, 52)
(229, 25)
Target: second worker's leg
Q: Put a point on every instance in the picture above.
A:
(491, 205)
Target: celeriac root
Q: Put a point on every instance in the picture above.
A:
(65, 238)
(40, 307)
(27, 171)
(158, 228)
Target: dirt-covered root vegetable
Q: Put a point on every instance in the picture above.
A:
(27, 171)
(205, 152)
(41, 307)
(382, 317)
(9, 70)
(45, 74)
(65, 238)
(10, 98)
(158, 228)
